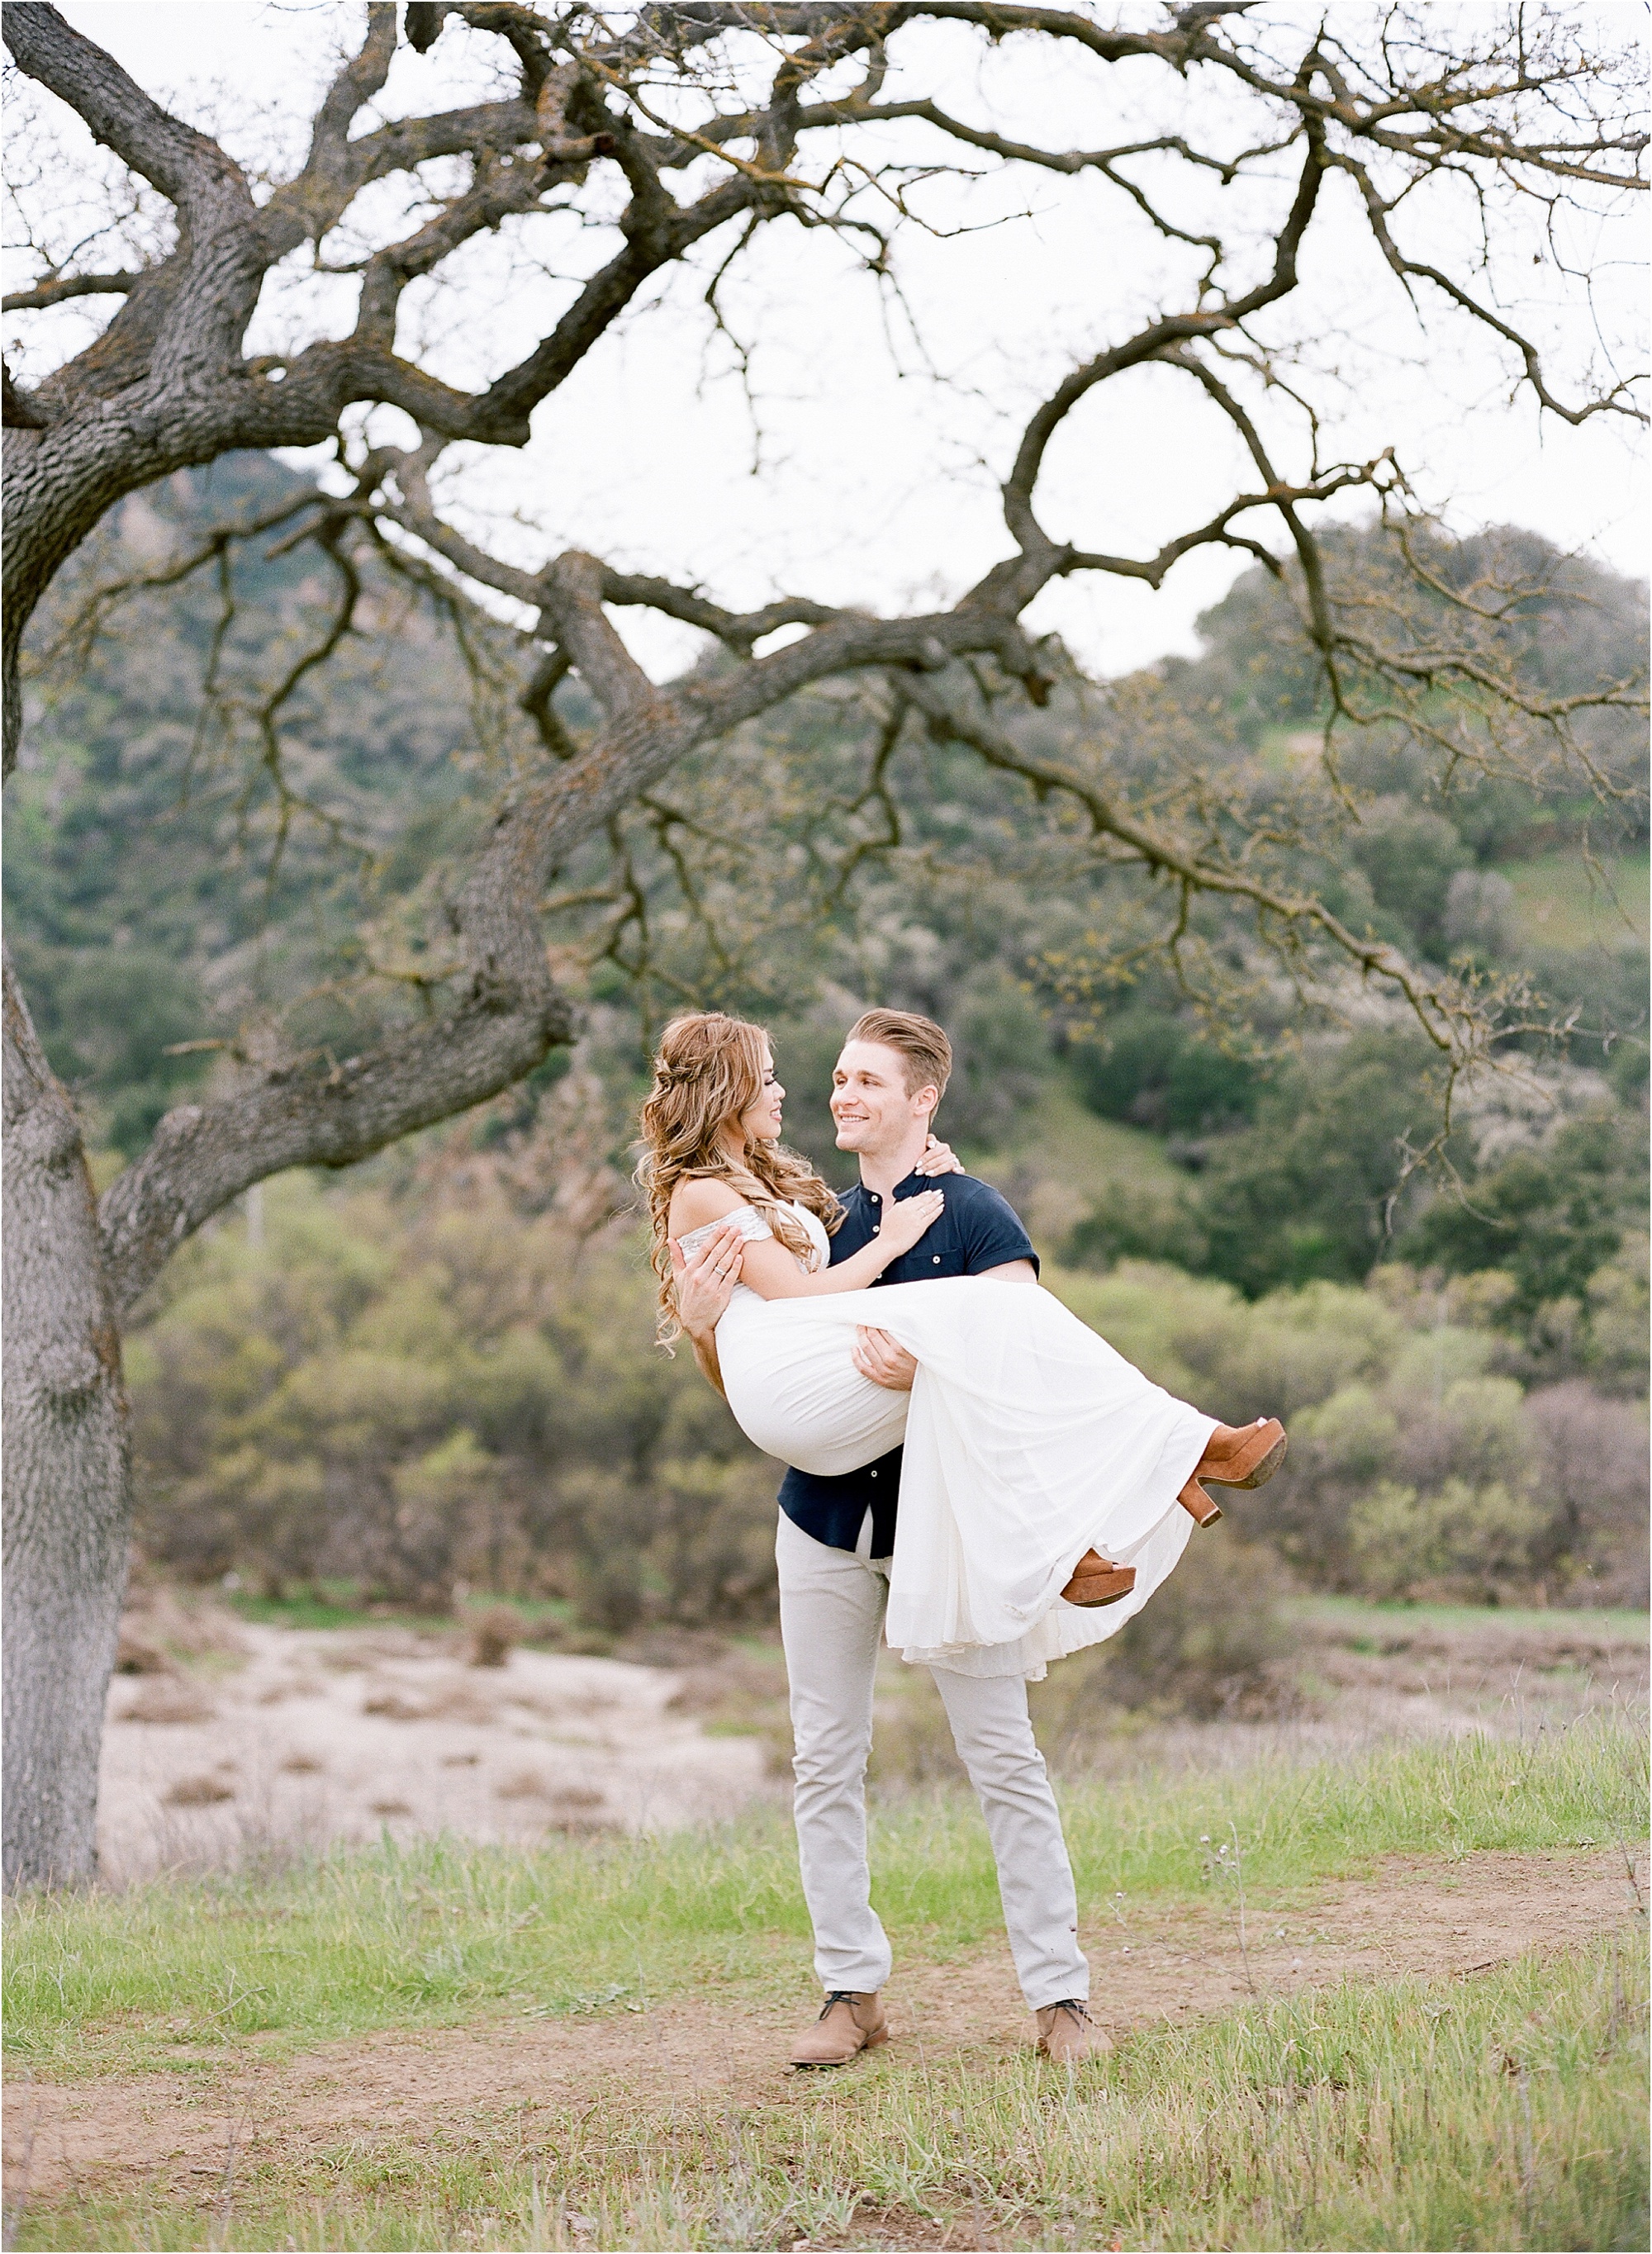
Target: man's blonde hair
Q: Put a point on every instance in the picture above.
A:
(924, 1050)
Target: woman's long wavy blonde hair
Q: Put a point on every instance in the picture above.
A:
(708, 1070)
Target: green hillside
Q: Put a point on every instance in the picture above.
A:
(1564, 901)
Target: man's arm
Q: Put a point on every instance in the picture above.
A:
(878, 1356)
(704, 1345)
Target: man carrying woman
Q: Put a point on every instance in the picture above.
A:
(1047, 1488)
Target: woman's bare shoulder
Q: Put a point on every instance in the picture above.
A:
(700, 1198)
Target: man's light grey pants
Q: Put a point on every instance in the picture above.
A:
(832, 1605)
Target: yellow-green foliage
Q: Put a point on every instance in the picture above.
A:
(1200, 1339)
(409, 1391)
(1398, 1537)
(1415, 1467)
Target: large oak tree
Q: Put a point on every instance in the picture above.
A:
(675, 136)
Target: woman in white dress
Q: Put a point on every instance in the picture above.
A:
(1047, 1488)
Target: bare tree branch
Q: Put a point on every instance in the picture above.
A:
(62, 287)
(165, 385)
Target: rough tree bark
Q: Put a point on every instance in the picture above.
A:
(169, 385)
(67, 1510)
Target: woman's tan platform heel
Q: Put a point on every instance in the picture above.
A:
(1198, 1504)
(1242, 1455)
(1095, 1582)
(1246, 1456)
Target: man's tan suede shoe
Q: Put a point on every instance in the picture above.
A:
(847, 2025)
(1068, 2035)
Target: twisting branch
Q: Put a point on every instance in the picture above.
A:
(60, 288)
(1619, 399)
(673, 136)
(1437, 1004)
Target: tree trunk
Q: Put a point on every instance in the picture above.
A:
(68, 1474)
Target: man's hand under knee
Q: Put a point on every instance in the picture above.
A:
(878, 1356)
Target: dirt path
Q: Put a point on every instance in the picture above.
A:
(1413, 1917)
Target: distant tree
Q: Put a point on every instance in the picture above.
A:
(1155, 1071)
(1316, 1188)
(1549, 1217)
(664, 141)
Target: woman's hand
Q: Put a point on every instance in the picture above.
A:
(704, 1282)
(939, 1157)
(906, 1219)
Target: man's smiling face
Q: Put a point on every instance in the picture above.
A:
(870, 1103)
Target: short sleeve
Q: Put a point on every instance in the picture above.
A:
(746, 1219)
(993, 1233)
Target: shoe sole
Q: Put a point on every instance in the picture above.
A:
(1096, 1581)
(1097, 1604)
(1259, 1473)
(831, 2065)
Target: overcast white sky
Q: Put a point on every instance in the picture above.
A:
(878, 486)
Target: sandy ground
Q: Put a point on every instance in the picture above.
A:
(307, 1736)
(1452, 1919)
(255, 1741)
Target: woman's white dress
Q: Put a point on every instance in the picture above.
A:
(1028, 1441)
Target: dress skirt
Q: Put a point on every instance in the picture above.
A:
(1028, 1441)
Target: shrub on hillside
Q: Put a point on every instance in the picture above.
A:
(1155, 1070)
(1550, 1218)
(1591, 1465)
(407, 1395)
(1389, 1393)
(1315, 1189)
(1460, 1542)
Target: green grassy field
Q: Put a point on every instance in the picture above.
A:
(1092, 1154)
(444, 1932)
(1062, 1161)
(1506, 2111)
(1357, 1615)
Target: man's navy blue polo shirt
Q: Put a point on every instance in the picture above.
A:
(978, 1230)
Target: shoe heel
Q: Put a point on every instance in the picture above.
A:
(1198, 1504)
(878, 2035)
